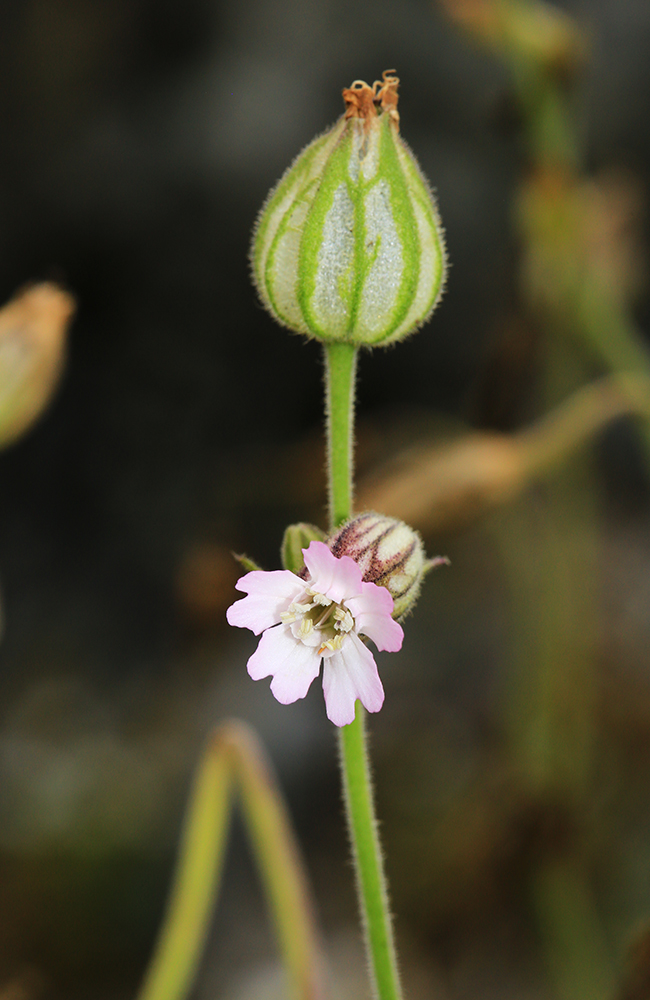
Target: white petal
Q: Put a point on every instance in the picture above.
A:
(372, 600)
(384, 632)
(372, 616)
(337, 578)
(321, 566)
(269, 594)
(292, 665)
(347, 675)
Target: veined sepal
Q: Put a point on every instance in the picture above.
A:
(349, 245)
(296, 538)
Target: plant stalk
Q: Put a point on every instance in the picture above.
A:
(340, 372)
(340, 362)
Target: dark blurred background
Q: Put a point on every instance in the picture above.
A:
(139, 140)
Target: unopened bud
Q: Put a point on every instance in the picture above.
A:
(296, 538)
(389, 553)
(349, 245)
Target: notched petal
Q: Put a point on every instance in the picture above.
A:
(337, 578)
(269, 594)
(347, 675)
(386, 634)
(372, 613)
(292, 665)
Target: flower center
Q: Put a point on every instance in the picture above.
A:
(316, 620)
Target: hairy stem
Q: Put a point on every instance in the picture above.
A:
(340, 371)
(368, 862)
(340, 360)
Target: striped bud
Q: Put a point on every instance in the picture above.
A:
(349, 246)
(389, 553)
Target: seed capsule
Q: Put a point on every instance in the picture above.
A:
(349, 245)
(389, 553)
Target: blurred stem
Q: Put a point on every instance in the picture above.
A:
(171, 972)
(340, 360)
(535, 41)
(548, 120)
(549, 546)
(549, 542)
(269, 828)
(575, 943)
(590, 307)
(570, 425)
(614, 337)
(235, 756)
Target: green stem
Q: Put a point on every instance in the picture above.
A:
(340, 360)
(340, 370)
(366, 850)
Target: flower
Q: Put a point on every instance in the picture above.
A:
(319, 618)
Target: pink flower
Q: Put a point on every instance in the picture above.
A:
(319, 618)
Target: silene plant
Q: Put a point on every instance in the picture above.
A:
(348, 249)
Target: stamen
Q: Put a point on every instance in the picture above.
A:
(333, 644)
(344, 620)
(320, 598)
(294, 611)
(332, 620)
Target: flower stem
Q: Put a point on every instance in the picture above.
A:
(340, 370)
(366, 850)
(340, 361)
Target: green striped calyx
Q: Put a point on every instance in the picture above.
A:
(349, 246)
